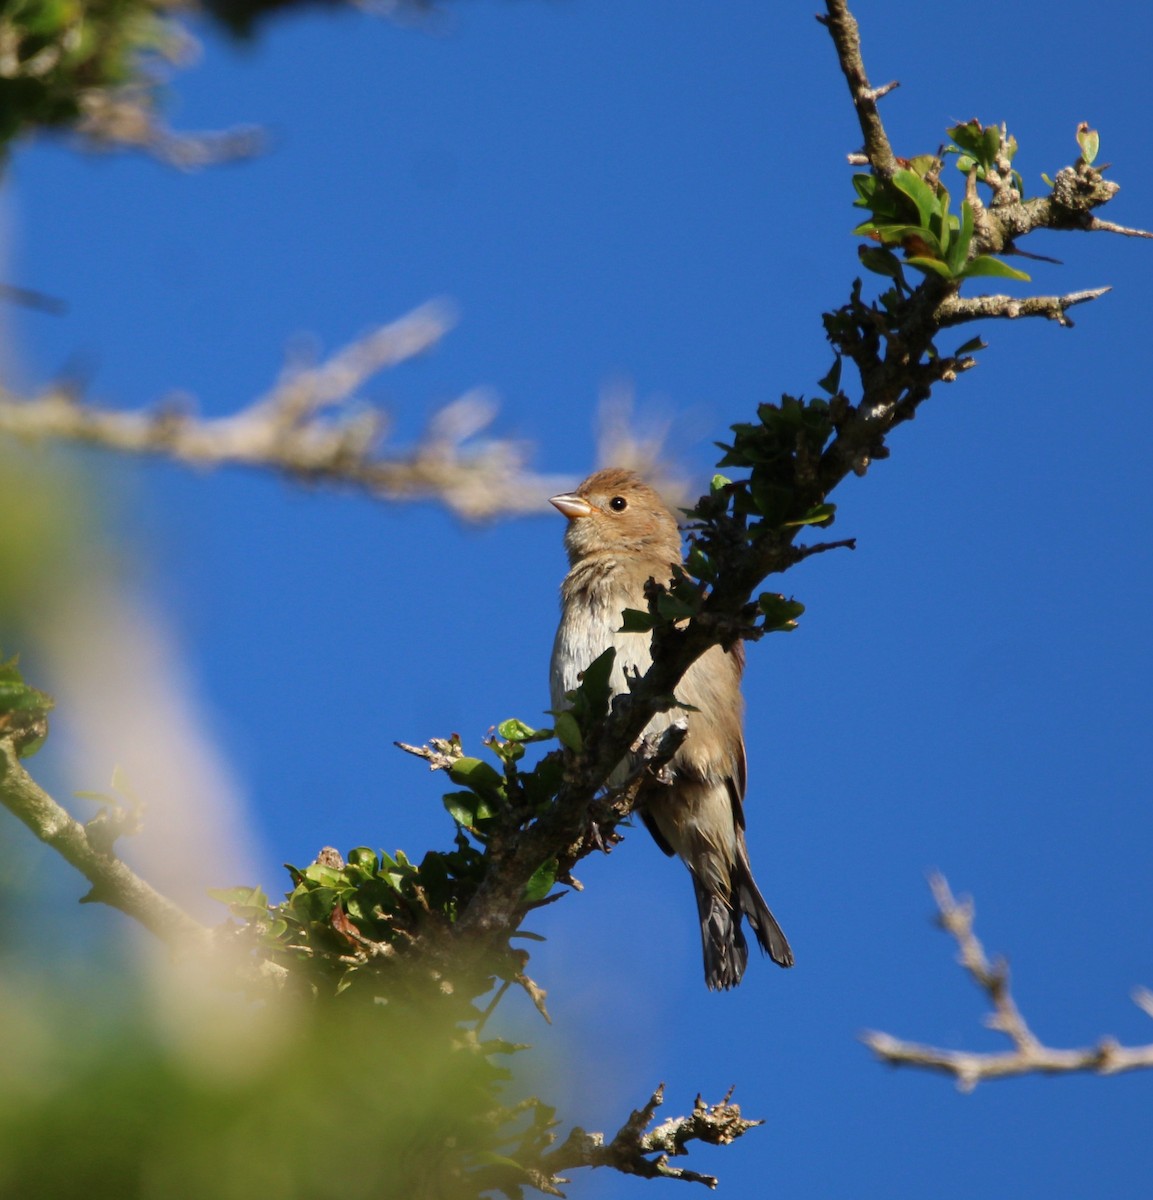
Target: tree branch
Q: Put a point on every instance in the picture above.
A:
(631, 1150)
(1029, 1055)
(846, 35)
(311, 427)
(955, 310)
(113, 882)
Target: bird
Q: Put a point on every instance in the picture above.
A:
(620, 534)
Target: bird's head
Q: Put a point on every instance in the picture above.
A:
(615, 512)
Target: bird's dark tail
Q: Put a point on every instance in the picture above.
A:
(725, 948)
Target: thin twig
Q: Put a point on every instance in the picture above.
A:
(1029, 1055)
(955, 310)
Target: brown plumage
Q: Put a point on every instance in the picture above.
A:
(621, 534)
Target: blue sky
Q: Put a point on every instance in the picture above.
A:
(656, 192)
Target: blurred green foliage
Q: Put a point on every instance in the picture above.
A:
(219, 1100)
(57, 54)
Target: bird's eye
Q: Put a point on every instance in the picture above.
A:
(618, 504)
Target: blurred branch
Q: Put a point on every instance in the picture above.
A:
(126, 119)
(311, 427)
(1029, 1056)
(113, 882)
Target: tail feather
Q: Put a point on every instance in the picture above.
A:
(723, 940)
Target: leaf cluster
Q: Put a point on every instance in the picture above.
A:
(58, 52)
(23, 710)
(911, 212)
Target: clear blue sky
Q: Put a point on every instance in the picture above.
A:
(656, 191)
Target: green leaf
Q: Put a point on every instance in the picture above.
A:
(541, 882)
(595, 682)
(364, 858)
(780, 614)
(972, 345)
(325, 876)
(931, 266)
(719, 481)
(569, 732)
(832, 381)
(919, 192)
(673, 608)
(986, 265)
(636, 621)
(821, 514)
(968, 137)
(475, 773)
(242, 900)
(514, 730)
(1090, 142)
(467, 808)
(881, 262)
(990, 145)
(959, 251)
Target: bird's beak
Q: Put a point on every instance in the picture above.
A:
(571, 505)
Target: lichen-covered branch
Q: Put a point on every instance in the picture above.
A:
(956, 310)
(312, 427)
(1028, 1054)
(637, 1149)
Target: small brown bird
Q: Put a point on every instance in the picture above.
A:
(620, 534)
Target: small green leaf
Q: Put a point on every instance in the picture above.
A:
(595, 682)
(475, 773)
(970, 347)
(325, 876)
(832, 381)
(719, 481)
(780, 614)
(821, 514)
(636, 621)
(986, 265)
(513, 730)
(931, 266)
(467, 808)
(919, 192)
(959, 251)
(569, 732)
(1090, 142)
(1048, 181)
(881, 262)
(541, 882)
(241, 898)
(990, 145)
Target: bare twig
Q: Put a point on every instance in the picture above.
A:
(1029, 1055)
(1097, 225)
(955, 310)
